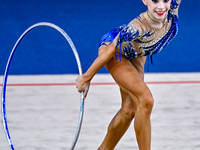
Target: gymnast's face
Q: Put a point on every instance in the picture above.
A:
(158, 9)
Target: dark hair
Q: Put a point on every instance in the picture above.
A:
(174, 4)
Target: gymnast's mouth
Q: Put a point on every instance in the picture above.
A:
(160, 13)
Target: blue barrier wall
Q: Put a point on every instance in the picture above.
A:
(45, 51)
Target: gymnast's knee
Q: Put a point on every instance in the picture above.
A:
(146, 104)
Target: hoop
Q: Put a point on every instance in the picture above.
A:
(6, 76)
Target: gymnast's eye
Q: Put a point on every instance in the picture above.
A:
(155, 1)
(165, 1)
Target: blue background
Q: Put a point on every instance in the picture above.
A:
(45, 51)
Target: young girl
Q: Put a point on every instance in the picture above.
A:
(123, 52)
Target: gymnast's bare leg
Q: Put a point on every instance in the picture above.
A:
(137, 102)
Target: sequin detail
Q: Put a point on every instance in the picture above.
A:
(130, 34)
(110, 36)
(164, 41)
(175, 4)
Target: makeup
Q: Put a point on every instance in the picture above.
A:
(160, 13)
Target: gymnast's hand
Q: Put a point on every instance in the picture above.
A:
(82, 85)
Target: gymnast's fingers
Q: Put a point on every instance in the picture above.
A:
(85, 94)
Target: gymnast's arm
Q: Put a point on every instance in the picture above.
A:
(83, 81)
(176, 10)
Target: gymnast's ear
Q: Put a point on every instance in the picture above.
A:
(145, 2)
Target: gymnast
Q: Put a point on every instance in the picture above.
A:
(123, 52)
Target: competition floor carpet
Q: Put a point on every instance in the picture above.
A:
(43, 111)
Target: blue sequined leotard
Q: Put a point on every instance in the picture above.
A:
(138, 38)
